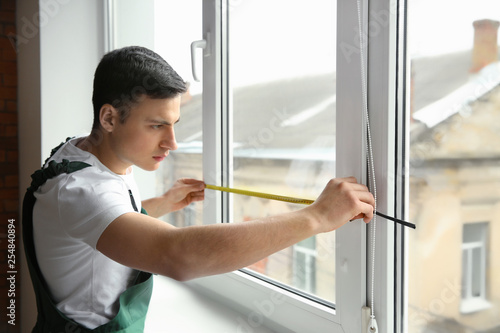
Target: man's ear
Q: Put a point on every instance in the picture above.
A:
(108, 117)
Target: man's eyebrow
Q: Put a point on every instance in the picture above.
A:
(161, 122)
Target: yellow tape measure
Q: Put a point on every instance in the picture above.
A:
(260, 194)
(292, 200)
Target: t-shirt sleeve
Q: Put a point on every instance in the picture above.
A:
(89, 202)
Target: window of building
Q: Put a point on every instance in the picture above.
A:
(304, 265)
(474, 261)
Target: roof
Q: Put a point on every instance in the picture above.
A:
(442, 107)
(267, 118)
(437, 76)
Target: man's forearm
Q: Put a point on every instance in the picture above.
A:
(206, 250)
(146, 243)
(154, 207)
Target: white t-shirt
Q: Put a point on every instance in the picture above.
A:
(70, 214)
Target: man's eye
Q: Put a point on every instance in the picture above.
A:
(156, 126)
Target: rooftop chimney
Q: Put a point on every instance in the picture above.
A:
(485, 50)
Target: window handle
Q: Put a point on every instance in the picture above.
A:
(199, 44)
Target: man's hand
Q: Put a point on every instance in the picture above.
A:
(342, 200)
(181, 194)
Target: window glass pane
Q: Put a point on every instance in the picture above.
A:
(300, 271)
(309, 243)
(477, 272)
(454, 165)
(474, 232)
(282, 71)
(465, 273)
(177, 24)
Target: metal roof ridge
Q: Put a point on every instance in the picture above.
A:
(479, 85)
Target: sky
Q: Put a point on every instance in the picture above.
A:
(445, 26)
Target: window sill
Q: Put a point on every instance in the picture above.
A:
(262, 304)
(176, 307)
(474, 305)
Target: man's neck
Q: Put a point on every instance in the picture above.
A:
(97, 144)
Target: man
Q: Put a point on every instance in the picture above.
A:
(89, 239)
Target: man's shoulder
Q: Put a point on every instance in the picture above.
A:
(92, 177)
(68, 151)
(89, 178)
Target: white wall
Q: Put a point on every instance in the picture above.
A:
(56, 67)
(71, 44)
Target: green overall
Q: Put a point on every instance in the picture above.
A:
(134, 301)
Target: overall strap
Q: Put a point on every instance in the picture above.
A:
(133, 302)
(45, 306)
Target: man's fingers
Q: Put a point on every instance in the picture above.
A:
(366, 197)
(366, 213)
(348, 179)
(353, 183)
(195, 184)
(366, 201)
(366, 206)
(197, 196)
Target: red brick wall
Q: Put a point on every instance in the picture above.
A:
(9, 173)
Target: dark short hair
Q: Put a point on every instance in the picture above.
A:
(126, 75)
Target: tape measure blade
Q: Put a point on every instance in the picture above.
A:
(260, 195)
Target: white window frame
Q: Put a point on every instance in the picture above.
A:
(244, 292)
(388, 100)
(467, 250)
